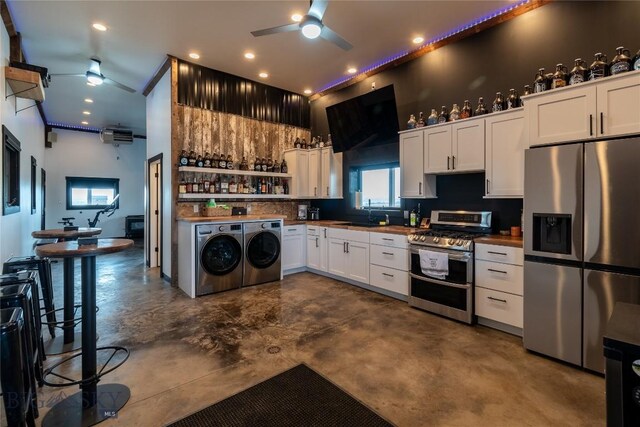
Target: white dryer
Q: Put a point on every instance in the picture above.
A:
(262, 251)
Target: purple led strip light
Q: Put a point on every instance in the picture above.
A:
(72, 127)
(436, 39)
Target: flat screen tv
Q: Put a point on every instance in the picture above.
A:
(364, 121)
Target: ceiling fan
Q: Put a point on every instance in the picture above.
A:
(95, 76)
(311, 26)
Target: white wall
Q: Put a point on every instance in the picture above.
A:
(82, 154)
(159, 141)
(15, 229)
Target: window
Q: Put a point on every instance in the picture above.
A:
(91, 193)
(380, 186)
(11, 173)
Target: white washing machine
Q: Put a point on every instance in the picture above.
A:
(262, 251)
(218, 257)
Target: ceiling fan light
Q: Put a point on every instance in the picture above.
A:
(94, 78)
(311, 29)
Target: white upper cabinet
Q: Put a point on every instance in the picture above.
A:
(331, 174)
(317, 173)
(505, 144)
(411, 167)
(298, 164)
(467, 148)
(437, 150)
(597, 109)
(314, 174)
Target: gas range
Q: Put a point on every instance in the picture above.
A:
(453, 230)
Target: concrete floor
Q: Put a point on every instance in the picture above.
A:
(412, 367)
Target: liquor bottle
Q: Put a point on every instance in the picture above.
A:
(258, 186)
(263, 164)
(222, 164)
(224, 185)
(455, 113)
(527, 91)
(421, 122)
(189, 186)
(579, 72)
(304, 144)
(481, 108)
(194, 186)
(467, 110)
(201, 185)
(433, 118)
(257, 166)
(418, 216)
(444, 115)
(313, 143)
(263, 186)
(269, 165)
(211, 184)
(285, 187)
(320, 142)
(240, 186)
(233, 187)
(192, 158)
(229, 162)
(636, 61)
(245, 186)
(498, 103)
(183, 159)
(559, 78)
(215, 160)
(412, 218)
(599, 67)
(244, 165)
(411, 124)
(276, 166)
(283, 167)
(330, 143)
(217, 185)
(540, 82)
(182, 188)
(269, 186)
(513, 101)
(200, 161)
(207, 160)
(621, 63)
(297, 143)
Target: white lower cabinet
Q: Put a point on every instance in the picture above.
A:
(293, 248)
(337, 257)
(499, 286)
(358, 261)
(317, 248)
(390, 279)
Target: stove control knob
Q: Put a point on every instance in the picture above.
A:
(459, 242)
(411, 237)
(422, 238)
(451, 241)
(436, 239)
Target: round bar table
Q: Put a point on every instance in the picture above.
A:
(70, 340)
(93, 404)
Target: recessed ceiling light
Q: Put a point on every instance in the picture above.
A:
(249, 55)
(307, 91)
(418, 40)
(90, 84)
(88, 100)
(263, 75)
(296, 17)
(194, 55)
(352, 70)
(84, 122)
(100, 27)
(86, 113)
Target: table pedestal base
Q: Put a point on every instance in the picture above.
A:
(69, 412)
(56, 345)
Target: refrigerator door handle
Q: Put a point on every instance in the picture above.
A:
(601, 123)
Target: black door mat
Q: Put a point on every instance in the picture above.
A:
(297, 397)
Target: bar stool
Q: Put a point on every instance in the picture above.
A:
(28, 278)
(20, 296)
(43, 266)
(20, 409)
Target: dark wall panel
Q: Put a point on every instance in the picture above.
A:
(503, 57)
(209, 89)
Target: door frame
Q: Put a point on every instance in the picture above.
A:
(43, 198)
(155, 159)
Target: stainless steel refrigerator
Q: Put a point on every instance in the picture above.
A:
(582, 245)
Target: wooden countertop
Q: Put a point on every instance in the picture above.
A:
(391, 229)
(60, 233)
(497, 239)
(71, 248)
(236, 218)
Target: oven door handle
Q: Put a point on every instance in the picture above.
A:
(455, 257)
(439, 282)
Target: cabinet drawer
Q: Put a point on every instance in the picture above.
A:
(497, 253)
(351, 235)
(385, 239)
(499, 306)
(387, 256)
(499, 277)
(312, 230)
(389, 279)
(293, 230)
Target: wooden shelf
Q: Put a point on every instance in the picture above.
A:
(232, 172)
(24, 83)
(205, 196)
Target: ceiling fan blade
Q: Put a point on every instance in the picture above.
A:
(318, 8)
(119, 85)
(328, 34)
(275, 30)
(68, 75)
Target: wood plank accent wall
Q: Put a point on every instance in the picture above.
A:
(217, 132)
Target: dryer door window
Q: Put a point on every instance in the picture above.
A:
(263, 250)
(221, 255)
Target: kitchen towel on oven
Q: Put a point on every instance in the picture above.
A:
(434, 264)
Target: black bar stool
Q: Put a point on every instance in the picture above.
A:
(16, 394)
(43, 266)
(20, 296)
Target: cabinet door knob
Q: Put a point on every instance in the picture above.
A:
(487, 185)
(590, 124)
(316, 242)
(448, 159)
(453, 162)
(419, 188)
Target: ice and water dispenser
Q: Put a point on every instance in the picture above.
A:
(551, 233)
